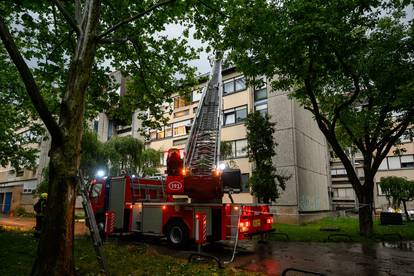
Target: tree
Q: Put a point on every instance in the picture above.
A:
(15, 112)
(261, 148)
(398, 189)
(124, 154)
(61, 51)
(350, 63)
(93, 156)
(150, 160)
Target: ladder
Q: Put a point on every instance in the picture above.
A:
(93, 228)
(203, 147)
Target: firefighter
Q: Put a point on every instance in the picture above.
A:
(40, 209)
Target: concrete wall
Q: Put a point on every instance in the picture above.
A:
(312, 162)
(280, 108)
(302, 153)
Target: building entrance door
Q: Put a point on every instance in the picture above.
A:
(7, 203)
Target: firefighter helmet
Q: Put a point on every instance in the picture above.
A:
(43, 195)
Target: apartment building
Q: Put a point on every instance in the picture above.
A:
(302, 151)
(17, 187)
(343, 196)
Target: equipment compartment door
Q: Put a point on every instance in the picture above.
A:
(152, 219)
(117, 201)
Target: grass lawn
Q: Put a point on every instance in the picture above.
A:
(18, 250)
(347, 225)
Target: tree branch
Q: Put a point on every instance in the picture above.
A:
(355, 80)
(382, 153)
(29, 82)
(134, 17)
(78, 11)
(67, 16)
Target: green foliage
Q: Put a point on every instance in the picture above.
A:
(15, 113)
(149, 162)
(226, 150)
(123, 154)
(128, 154)
(265, 179)
(397, 189)
(93, 156)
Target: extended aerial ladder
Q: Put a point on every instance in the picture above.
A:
(203, 148)
(197, 176)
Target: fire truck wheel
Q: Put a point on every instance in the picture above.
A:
(177, 234)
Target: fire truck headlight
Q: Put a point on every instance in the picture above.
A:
(100, 173)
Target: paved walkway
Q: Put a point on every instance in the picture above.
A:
(29, 223)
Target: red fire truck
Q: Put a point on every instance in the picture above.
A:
(193, 185)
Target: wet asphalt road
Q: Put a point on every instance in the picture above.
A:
(273, 257)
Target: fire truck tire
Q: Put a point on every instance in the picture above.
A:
(177, 234)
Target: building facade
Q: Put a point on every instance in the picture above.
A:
(17, 188)
(343, 196)
(302, 151)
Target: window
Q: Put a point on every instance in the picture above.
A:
(407, 161)
(343, 193)
(180, 128)
(153, 135)
(168, 131)
(95, 125)
(338, 172)
(239, 84)
(384, 165)
(228, 87)
(241, 148)
(197, 95)
(394, 162)
(229, 118)
(180, 142)
(245, 183)
(19, 173)
(234, 85)
(124, 130)
(261, 108)
(160, 134)
(408, 136)
(180, 102)
(238, 148)
(181, 113)
(235, 115)
(110, 129)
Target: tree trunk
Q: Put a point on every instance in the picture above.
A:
(404, 202)
(366, 223)
(55, 249)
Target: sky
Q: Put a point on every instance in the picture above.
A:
(202, 64)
